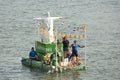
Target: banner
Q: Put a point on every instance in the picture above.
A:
(45, 32)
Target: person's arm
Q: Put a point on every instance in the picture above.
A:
(35, 53)
(81, 46)
(68, 42)
(71, 45)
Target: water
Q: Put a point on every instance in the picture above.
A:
(18, 33)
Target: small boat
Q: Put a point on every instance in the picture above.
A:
(46, 67)
(44, 48)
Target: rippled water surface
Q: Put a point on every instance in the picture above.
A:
(18, 34)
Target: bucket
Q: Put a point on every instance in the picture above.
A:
(54, 63)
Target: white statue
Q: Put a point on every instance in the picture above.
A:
(49, 24)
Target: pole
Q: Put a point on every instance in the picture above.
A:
(38, 33)
(38, 25)
(56, 42)
(56, 48)
(85, 45)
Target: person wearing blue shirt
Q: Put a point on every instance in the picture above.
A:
(32, 55)
(75, 47)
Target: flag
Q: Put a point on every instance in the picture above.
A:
(81, 36)
(39, 29)
(77, 36)
(83, 28)
(59, 35)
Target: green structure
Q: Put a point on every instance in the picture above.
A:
(44, 47)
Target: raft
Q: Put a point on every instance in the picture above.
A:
(35, 64)
(47, 44)
(46, 67)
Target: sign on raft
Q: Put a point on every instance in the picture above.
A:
(43, 48)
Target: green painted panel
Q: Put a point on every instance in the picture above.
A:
(42, 47)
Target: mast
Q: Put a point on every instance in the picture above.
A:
(85, 43)
(56, 48)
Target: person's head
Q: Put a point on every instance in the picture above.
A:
(75, 41)
(32, 48)
(58, 41)
(63, 38)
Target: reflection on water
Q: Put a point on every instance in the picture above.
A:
(68, 75)
(72, 75)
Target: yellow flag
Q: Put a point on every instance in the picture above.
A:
(71, 36)
(55, 33)
(76, 36)
(81, 36)
(68, 35)
(83, 28)
(38, 29)
(59, 35)
(63, 35)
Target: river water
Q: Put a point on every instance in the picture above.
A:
(18, 34)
